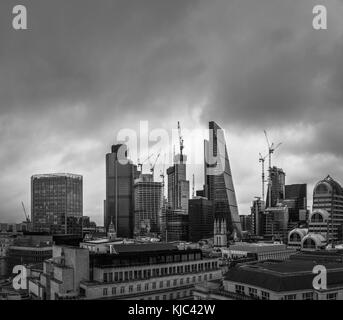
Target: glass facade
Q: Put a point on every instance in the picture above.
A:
(57, 203)
(120, 193)
(219, 187)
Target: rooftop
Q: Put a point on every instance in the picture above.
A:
(288, 275)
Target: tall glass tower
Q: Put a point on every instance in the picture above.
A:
(120, 175)
(219, 184)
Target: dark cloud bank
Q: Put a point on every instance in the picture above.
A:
(85, 69)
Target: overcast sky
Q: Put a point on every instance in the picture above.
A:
(86, 69)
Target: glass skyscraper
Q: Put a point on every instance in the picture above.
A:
(57, 203)
(218, 181)
(120, 175)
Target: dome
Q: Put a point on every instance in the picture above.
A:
(327, 186)
(319, 215)
(313, 241)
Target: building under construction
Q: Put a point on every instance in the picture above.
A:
(148, 205)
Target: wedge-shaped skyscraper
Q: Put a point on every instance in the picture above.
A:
(219, 184)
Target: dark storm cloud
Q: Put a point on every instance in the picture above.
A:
(87, 68)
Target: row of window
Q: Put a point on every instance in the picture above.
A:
(156, 285)
(266, 296)
(156, 272)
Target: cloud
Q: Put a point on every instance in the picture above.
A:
(86, 69)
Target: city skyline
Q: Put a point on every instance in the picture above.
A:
(248, 66)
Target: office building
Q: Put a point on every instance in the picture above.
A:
(245, 222)
(258, 217)
(120, 176)
(148, 205)
(57, 203)
(260, 251)
(219, 186)
(177, 225)
(327, 213)
(132, 271)
(201, 219)
(277, 187)
(178, 185)
(286, 280)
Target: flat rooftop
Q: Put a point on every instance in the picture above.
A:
(287, 275)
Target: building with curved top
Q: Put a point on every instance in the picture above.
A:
(295, 237)
(313, 241)
(327, 216)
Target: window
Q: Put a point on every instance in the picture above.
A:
(252, 292)
(168, 283)
(114, 291)
(104, 292)
(175, 282)
(105, 277)
(161, 284)
(181, 281)
(164, 297)
(146, 287)
(290, 297)
(308, 296)
(239, 289)
(187, 280)
(139, 287)
(110, 277)
(265, 295)
(154, 285)
(331, 296)
(130, 289)
(122, 290)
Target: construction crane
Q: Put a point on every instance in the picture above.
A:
(271, 149)
(27, 218)
(181, 141)
(162, 172)
(193, 188)
(140, 164)
(262, 159)
(152, 167)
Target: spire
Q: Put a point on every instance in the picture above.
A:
(112, 234)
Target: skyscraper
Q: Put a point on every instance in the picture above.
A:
(258, 217)
(219, 184)
(296, 200)
(327, 213)
(277, 187)
(148, 205)
(120, 175)
(56, 203)
(178, 185)
(200, 219)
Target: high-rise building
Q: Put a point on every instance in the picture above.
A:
(219, 186)
(148, 205)
(258, 217)
(296, 200)
(200, 219)
(277, 187)
(178, 185)
(177, 225)
(327, 213)
(56, 203)
(120, 176)
(245, 222)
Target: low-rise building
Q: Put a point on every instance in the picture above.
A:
(287, 280)
(260, 250)
(129, 271)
